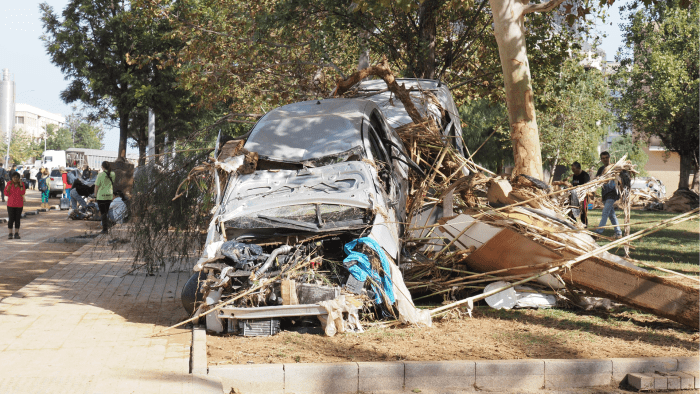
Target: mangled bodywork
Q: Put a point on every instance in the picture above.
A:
(328, 173)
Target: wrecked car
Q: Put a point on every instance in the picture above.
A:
(325, 189)
(438, 105)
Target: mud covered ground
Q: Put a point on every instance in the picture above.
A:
(488, 335)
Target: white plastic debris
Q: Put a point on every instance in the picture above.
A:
(408, 313)
(503, 300)
(530, 298)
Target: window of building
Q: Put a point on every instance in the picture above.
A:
(19, 119)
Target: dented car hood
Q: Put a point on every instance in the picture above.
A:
(348, 183)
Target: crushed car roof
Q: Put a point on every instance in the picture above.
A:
(392, 107)
(310, 129)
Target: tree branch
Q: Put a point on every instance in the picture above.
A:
(542, 7)
(383, 71)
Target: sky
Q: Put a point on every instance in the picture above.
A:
(39, 83)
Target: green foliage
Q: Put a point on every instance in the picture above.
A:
(574, 115)
(22, 147)
(481, 118)
(255, 56)
(58, 138)
(633, 149)
(110, 52)
(659, 78)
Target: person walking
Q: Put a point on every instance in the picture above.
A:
(15, 203)
(44, 187)
(104, 192)
(3, 175)
(610, 195)
(579, 178)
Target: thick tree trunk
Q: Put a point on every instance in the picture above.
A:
(509, 29)
(687, 168)
(123, 133)
(696, 180)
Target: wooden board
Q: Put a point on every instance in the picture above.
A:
(639, 289)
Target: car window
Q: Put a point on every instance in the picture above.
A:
(55, 173)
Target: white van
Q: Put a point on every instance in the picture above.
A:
(53, 159)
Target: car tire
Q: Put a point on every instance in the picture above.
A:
(191, 294)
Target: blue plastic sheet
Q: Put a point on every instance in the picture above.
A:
(363, 268)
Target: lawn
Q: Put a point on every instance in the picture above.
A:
(676, 248)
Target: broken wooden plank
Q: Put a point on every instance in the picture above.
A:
(650, 293)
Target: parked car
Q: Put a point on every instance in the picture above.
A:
(56, 183)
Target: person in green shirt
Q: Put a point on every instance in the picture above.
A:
(104, 192)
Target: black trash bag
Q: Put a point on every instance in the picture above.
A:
(241, 254)
(575, 205)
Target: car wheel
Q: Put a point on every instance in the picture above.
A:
(191, 294)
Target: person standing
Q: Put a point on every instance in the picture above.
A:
(580, 177)
(3, 175)
(87, 174)
(104, 192)
(610, 195)
(26, 174)
(67, 183)
(12, 171)
(15, 203)
(44, 187)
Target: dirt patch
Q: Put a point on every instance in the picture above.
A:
(489, 335)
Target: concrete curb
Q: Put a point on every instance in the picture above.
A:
(444, 376)
(198, 351)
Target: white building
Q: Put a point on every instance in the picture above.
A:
(34, 120)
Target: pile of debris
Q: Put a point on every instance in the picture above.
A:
(683, 200)
(649, 193)
(464, 230)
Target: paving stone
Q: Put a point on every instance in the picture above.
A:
(673, 381)
(375, 377)
(686, 381)
(321, 378)
(251, 379)
(440, 376)
(562, 374)
(204, 384)
(640, 381)
(624, 366)
(696, 378)
(506, 374)
(660, 381)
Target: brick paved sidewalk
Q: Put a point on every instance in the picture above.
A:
(85, 326)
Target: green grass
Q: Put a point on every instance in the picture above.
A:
(676, 248)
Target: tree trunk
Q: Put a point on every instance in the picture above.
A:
(363, 61)
(687, 168)
(427, 36)
(696, 180)
(554, 168)
(123, 133)
(509, 29)
(143, 147)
